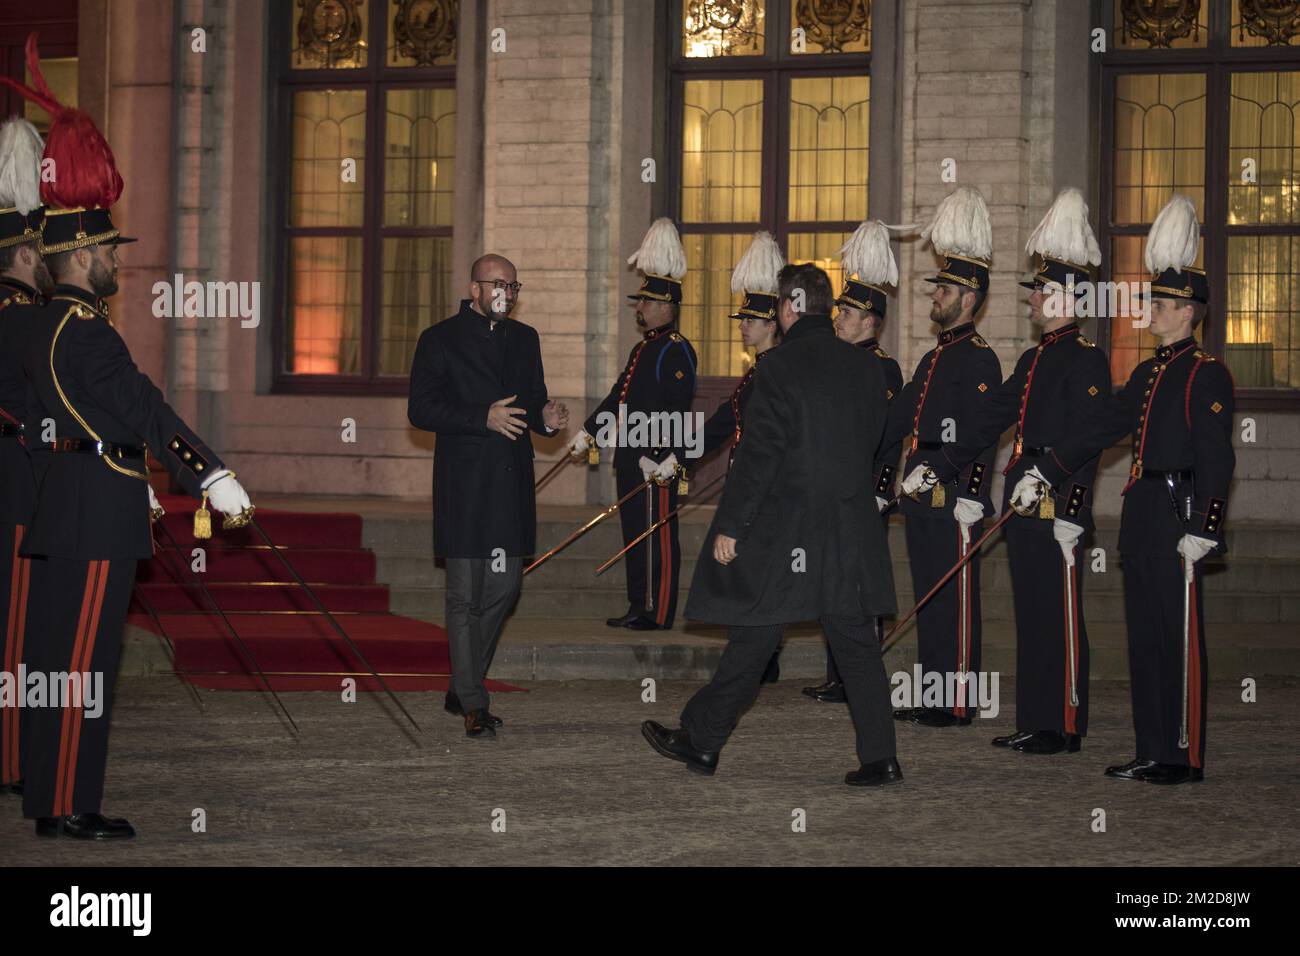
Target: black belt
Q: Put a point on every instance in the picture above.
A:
(1035, 451)
(930, 445)
(11, 431)
(1163, 475)
(91, 447)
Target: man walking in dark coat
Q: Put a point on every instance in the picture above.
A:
(477, 381)
(796, 536)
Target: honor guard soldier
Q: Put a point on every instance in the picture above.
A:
(91, 523)
(23, 279)
(1178, 407)
(869, 265)
(951, 384)
(1054, 393)
(755, 277)
(659, 378)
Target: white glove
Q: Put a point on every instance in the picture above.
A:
(155, 510)
(1193, 548)
(226, 494)
(881, 504)
(1028, 490)
(1067, 534)
(580, 443)
(665, 470)
(921, 479)
(967, 512)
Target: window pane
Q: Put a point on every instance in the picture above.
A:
(417, 293)
(828, 148)
(1265, 24)
(323, 332)
(822, 250)
(1129, 345)
(1161, 24)
(419, 153)
(840, 27)
(61, 75)
(1263, 335)
(1263, 130)
(722, 28)
(329, 126)
(722, 150)
(1159, 143)
(707, 301)
(422, 33)
(328, 34)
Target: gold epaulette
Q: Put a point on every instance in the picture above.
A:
(1204, 356)
(674, 337)
(881, 352)
(1084, 342)
(978, 342)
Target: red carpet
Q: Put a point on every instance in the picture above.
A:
(294, 644)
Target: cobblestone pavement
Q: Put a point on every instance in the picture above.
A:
(578, 785)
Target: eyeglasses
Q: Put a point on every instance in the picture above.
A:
(500, 284)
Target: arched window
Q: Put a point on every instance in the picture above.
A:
(366, 113)
(1203, 97)
(769, 121)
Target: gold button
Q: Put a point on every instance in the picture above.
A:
(185, 455)
(199, 466)
(175, 445)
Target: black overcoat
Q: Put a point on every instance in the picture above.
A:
(800, 497)
(482, 481)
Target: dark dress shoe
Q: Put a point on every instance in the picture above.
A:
(1172, 773)
(831, 692)
(875, 774)
(15, 788)
(642, 623)
(1049, 742)
(478, 723)
(934, 717)
(676, 745)
(84, 826)
(623, 621)
(452, 706)
(1010, 740)
(908, 713)
(1132, 770)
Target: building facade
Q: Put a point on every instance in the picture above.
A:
(352, 157)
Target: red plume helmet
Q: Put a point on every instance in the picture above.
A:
(85, 173)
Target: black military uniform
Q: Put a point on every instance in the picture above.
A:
(946, 394)
(17, 501)
(862, 295)
(659, 377)
(92, 522)
(1056, 389)
(1178, 406)
(727, 422)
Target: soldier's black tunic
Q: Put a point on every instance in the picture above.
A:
(948, 390)
(90, 527)
(1178, 407)
(17, 499)
(882, 474)
(659, 376)
(726, 423)
(1055, 392)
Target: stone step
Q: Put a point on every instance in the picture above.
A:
(590, 604)
(413, 534)
(564, 649)
(1236, 575)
